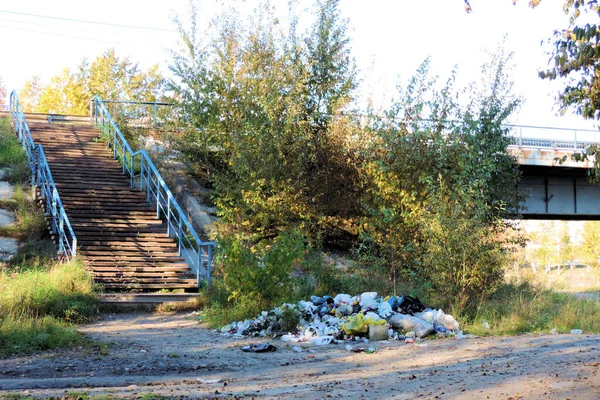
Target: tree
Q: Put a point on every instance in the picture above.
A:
(576, 55)
(442, 184)
(590, 250)
(108, 76)
(272, 102)
(64, 95)
(567, 251)
(3, 96)
(30, 94)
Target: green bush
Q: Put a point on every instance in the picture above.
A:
(260, 270)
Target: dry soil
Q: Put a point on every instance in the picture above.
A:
(176, 357)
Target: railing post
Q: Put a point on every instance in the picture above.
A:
(208, 265)
(520, 136)
(180, 237)
(169, 216)
(575, 136)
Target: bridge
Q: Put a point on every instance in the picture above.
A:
(557, 190)
(108, 205)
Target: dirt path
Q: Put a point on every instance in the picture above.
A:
(175, 357)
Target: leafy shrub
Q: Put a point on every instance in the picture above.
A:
(262, 270)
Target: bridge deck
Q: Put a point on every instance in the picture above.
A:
(120, 238)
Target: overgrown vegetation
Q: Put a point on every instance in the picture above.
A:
(419, 191)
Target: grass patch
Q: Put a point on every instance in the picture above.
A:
(64, 291)
(37, 306)
(11, 153)
(30, 222)
(27, 335)
(524, 308)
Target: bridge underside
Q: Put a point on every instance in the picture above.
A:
(559, 192)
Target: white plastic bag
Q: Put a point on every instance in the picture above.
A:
(368, 302)
(342, 299)
(409, 323)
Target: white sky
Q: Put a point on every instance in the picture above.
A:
(390, 38)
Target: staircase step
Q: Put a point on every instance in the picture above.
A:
(149, 286)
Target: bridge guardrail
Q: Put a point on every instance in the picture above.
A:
(144, 175)
(552, 138)
(42, 178)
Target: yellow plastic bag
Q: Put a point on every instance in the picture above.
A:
(359, 325)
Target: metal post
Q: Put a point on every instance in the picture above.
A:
(155, 115)
(520, 136)
(208, 265)
(169, 216)
(180, 237)
(131, 158)
(575, 135)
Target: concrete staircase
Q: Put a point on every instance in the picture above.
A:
(120, 239)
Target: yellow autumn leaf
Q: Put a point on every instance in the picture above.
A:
(534, 3)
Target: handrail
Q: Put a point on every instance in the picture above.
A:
(136, 111)
(41, 176)
(144, 175)
(545, 137)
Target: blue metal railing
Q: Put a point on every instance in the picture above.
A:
(42, 178)
(141, 114)
(144, 175)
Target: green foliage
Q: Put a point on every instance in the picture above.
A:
(261, 270)
(576, 55)
(266, 123)
(422, 193)
(442, 185)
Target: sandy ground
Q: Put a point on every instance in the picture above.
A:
(173, 356)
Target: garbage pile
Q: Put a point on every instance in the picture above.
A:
(325, 320)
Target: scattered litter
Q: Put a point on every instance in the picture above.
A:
(325, 320)
(210, 381)
(554, 331)
(259, 348)
(297, 349)
(143, 351)
(366, 350)
(349, 347)
(576, 331)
